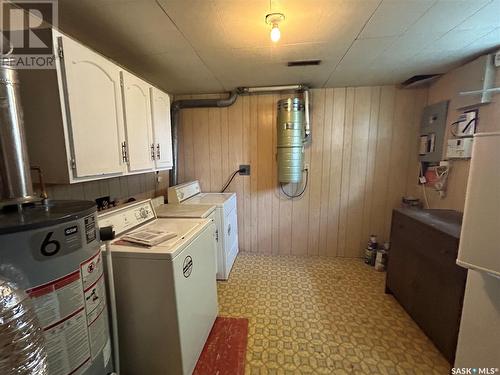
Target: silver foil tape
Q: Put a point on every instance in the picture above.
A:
(22, 345)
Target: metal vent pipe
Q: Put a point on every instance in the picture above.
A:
(15, 177)
(174, 114)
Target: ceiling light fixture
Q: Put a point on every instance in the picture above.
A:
(274, 19)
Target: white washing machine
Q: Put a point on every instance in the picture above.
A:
(166, 294)
(225, 219)
(190, 211)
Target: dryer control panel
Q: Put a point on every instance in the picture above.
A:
(179, 193)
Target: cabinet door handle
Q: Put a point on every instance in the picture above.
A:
(152, 151)
(158, 151)
(124, 152)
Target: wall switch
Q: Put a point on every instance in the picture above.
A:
(245, 169)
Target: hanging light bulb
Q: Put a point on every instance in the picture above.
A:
(274, 19)
(275, 33)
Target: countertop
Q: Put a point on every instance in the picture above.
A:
(447, 221)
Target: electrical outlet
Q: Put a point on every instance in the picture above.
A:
(245, 170)
(306, 166)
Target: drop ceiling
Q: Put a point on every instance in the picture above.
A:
(199, 46)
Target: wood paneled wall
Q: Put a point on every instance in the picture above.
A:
(447, 88)
(139, 186)
(364, 140)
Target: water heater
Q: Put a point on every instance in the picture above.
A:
(52, 251)
(290, 140)
(51, 268)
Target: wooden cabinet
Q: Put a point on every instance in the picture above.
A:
(422, 273)
(93, 110)
(74, 116)
(138, 125)
(160, 109)
(89, 119)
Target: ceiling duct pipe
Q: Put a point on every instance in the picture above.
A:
(15, 177)
(299, 87)
(221, 103)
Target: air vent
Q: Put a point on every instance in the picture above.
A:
(419, 80)
(304, 62)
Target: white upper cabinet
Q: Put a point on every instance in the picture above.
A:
(94, 112)
(162, 137)
(139, 131)
(88, 119)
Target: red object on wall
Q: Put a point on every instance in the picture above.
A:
(225, 349)
(431, 176)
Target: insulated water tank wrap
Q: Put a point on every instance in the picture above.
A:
(290, 140)
(21, 337)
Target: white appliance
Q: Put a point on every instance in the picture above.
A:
(204, 211)
(479, 251)
(166, 295)
(225, 220)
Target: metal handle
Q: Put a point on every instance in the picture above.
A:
(158, 151)
(217, 235)
(124, 152)
(229, 229)
(152, 151)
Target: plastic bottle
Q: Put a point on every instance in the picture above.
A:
(371, 250)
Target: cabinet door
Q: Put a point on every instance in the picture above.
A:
(138, 123)
(160, 109)
(93, 110)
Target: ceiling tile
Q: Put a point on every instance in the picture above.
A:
(410, 44)
(488, 16)
(456, 40)
(485, 43)
(198, 20)
(445, 15)
(342, 21)
(241, 67)
(308, 51)
(181, 73)
(364, 51)
(393, 17)
(192, 46)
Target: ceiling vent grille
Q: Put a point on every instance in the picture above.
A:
(304, 63)
(420, 80)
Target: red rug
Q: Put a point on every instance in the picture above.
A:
(225, 349)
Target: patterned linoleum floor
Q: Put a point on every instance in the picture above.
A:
(323, 316)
